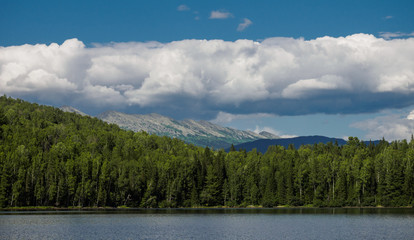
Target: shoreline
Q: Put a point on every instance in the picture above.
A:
(49, 208)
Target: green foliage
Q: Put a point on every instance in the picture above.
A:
(52, 158)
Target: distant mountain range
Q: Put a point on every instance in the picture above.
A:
(200, 133)
(204, 133)
(263, 144)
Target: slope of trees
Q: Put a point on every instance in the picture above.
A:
(52, 158)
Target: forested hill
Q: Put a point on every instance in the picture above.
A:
(52, 158)
(263, 144)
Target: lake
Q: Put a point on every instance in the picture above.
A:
(283, 223)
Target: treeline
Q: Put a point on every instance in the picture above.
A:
(52, 158)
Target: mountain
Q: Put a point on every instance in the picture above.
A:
(263, 144)
(200, 133)
(268, 135)
(72, 110)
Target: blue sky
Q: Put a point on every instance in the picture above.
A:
(123, 21)
(334, 68)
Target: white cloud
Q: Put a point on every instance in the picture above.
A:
(246, 22)
(302, 88)
(390, 35)
(287, 136)
(183, 7)
(391, 127)
(48, 72)
(102, 96)
(220, 14)
(411, 115)
(282, 76)
(39, 79)
(388, 17)
(223, 117)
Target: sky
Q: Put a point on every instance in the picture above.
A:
(293, 68)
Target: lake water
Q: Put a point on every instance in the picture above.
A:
(292, 223)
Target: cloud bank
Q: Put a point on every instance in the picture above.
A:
(391, 127)
(390, 35)
(200, 78)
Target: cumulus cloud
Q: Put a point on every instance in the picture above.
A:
(391, 127)
(183, 7)
(246, 22)
(220, 14)
(305, 87)
(411, 115)
(201, 78)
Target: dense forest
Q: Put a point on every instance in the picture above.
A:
(52, 158)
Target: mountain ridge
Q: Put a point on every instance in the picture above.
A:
(200, 133)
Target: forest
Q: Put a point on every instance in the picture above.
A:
(52, 158)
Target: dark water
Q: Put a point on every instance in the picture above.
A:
(210, 224)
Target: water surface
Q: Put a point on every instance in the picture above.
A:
(290, 223)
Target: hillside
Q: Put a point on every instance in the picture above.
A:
(52, 158)
(263, 144)
(200, 133)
